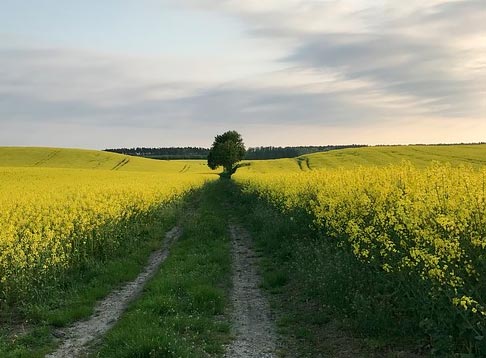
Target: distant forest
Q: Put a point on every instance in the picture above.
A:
(291, 152)
(164, 153)
(251, 153)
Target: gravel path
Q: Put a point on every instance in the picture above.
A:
(75, 340)
(252, 324)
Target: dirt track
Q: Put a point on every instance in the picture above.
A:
(252, 324)
(76, 339)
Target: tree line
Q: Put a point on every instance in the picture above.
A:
(254, 153)
(164, 153)
(291, 152)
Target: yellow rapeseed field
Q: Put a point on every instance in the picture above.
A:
(425, 224)
(52, 219)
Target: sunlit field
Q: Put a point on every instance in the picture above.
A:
(54, 218)
(41, 157)
(420, 156)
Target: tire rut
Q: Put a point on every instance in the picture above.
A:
(252, 324)
(77, 338)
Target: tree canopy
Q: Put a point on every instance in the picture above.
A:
(227, 150)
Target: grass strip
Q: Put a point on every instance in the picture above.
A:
(181, 312)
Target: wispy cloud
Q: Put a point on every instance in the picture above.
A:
(365, 71)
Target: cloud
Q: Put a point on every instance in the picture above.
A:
(360, 67)
(68, 86)
(432, 54)
(401, 66)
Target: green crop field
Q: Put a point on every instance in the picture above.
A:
(40, 157)
(421, 156)
(418, 155)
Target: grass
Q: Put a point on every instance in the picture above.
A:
(27, 328)
(181, 312)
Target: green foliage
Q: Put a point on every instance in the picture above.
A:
(227, 150)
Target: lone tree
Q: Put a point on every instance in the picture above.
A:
(227, 150)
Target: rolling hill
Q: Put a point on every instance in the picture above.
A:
(420, 156)
(41, 157)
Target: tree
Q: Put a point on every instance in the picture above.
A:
(227, 150)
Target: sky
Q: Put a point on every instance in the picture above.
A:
(156, 73)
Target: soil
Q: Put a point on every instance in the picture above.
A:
(252, 323)
(76, 339)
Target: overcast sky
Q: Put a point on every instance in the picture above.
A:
(123, 73)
